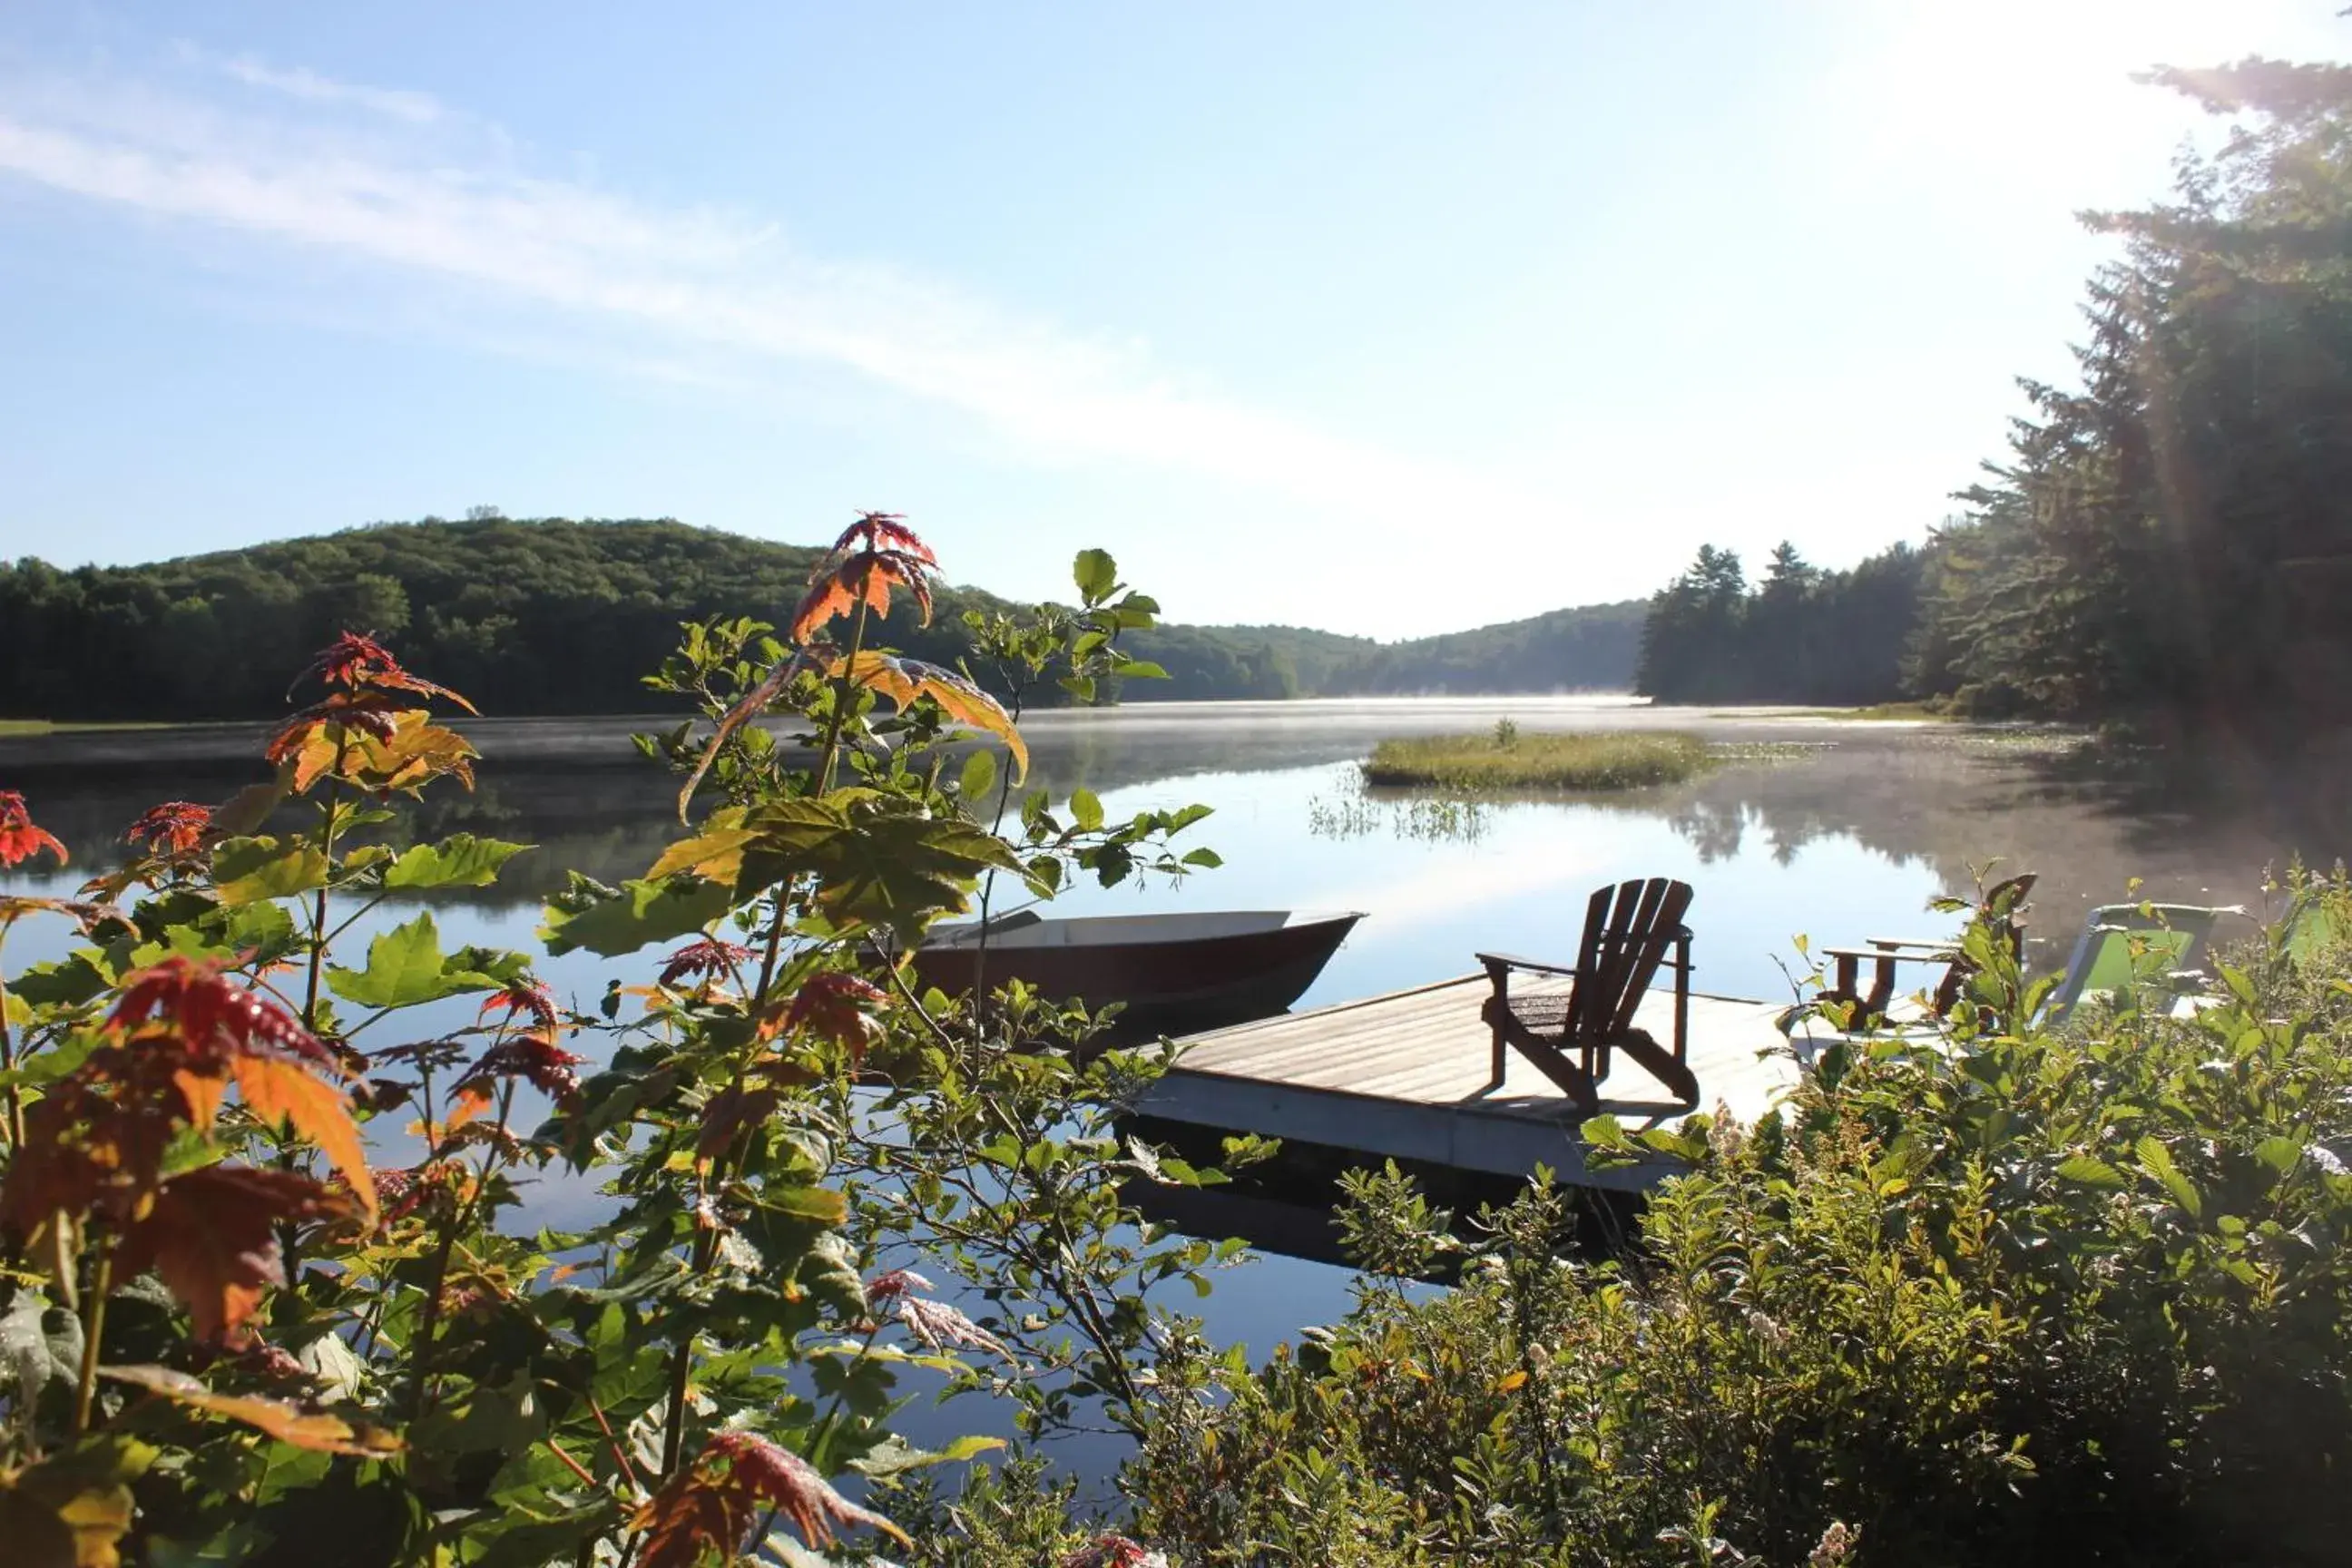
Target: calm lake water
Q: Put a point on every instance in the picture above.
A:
(1840, 830)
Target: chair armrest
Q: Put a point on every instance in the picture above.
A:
(1493, 960)
(1950, 944)
(1889, 955)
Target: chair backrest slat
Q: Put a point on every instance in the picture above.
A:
(1627, 931)
(1587, 954)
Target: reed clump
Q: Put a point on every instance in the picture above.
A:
(1507, 760)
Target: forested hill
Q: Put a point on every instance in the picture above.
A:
(558, 616)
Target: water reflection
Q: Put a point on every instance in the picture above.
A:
(1855, 830)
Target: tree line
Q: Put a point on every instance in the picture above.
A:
(2169, 539)
(1802, 635)
(560, 617)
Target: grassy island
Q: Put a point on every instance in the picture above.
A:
(1504, 759)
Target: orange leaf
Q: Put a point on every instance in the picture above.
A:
(203, 1092)
(828, 595)
(316, 1430)
(212, 1233)
(277, 1090)
(906, 680)
(19, 839)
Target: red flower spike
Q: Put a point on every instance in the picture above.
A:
(706, 958)
(175, 827)
(19, 839)
(713, 1503)
(833, 1006)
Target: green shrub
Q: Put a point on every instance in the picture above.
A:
(2027, 1296)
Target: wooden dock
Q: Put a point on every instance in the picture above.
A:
(1404, 1075)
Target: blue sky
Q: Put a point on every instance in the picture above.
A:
(1388, 319)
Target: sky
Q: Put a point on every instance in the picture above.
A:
(1387, 318)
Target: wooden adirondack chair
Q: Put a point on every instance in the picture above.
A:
(2003, 906)
(1627, 932)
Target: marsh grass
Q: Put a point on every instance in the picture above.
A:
(18, 727)
(1509, 760)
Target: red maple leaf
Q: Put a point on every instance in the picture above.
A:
(873, 555)
(19, 839)
(935, 1324)
(834, 1006)
(534, 1057)
(875, 530)
(175, 827)
(524, 998)
(212, 1236)
(711, 1504)
(704, 958)
(360, 663)
(883, 1291)
(214, 1017)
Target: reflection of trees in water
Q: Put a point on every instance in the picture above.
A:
(2199, 826)
(2194, 828)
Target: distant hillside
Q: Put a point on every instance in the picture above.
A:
(561, 617)
(1593, 648)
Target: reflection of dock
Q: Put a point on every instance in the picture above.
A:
(1404, 1075)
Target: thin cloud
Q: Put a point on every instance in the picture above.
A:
(699, 280)
(417, 108)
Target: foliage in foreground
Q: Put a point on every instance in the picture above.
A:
(1507, 759)
(2026, 1295)
(245, 1319)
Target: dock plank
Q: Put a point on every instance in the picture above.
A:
(1406, 1076)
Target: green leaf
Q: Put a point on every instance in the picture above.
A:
(978, 775)
(1086, 810)
(638, 913)
(2280, 1153)
(1206, 859)
(1605, 1131)
(248, 869)
(873, 862)
(2157, 1160)
(821, 1205)
(68, 982)
(460, 860)
(894, 1455)
(1137, 669)
(2089, 1172)
(406, 966)
(1096, 575)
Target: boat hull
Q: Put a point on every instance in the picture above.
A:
(1170, 981)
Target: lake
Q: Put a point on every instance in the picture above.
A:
(1837, 829)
